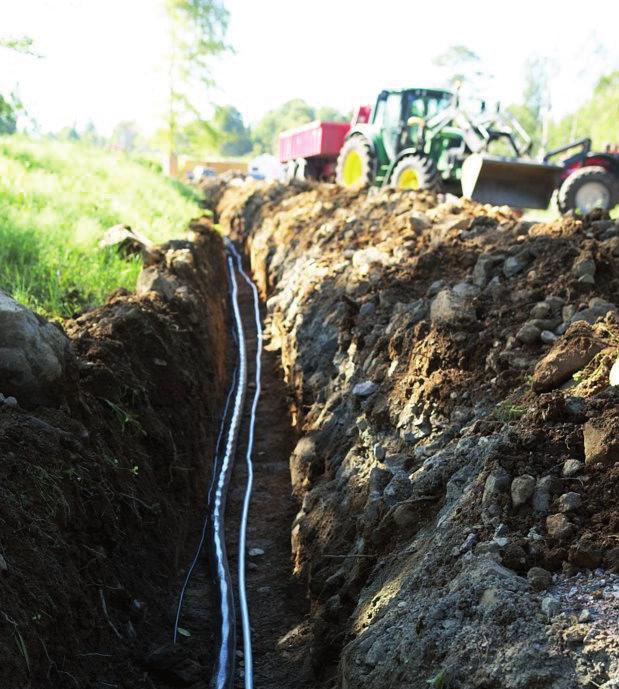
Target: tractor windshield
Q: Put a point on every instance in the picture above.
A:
(425, 104)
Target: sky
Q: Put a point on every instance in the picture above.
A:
(103, 61)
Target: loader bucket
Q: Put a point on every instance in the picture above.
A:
(505, 181)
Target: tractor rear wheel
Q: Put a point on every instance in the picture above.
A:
(589, 188)
(355, 164)
(416, 173)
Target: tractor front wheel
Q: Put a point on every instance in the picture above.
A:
(588, 188)
(355, 164)
(416, 173)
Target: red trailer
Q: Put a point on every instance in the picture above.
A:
(311, 150)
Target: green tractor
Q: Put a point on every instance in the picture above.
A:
(424, 139)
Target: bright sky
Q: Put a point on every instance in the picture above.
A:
(103, 59)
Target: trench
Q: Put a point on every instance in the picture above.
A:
(277, 599)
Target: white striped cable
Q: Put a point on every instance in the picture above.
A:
(221, 673)
(245, 620)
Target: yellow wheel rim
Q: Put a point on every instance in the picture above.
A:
(352, 169)
(408, 179)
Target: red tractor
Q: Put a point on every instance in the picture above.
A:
(588, 180)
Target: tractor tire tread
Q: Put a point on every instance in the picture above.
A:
(566, 197)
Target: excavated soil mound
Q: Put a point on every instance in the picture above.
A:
(457, 468)
(100, 491)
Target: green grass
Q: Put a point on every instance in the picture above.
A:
(56, 201)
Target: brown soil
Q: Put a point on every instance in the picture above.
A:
(97, 498)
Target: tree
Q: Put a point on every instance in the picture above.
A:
(290, 114)
(597, 118)
(461, 64)
(235, 138)
(23, 45)
(10, 110)
(329, 114)
(125, 136)
(12, 107)
(197, 30)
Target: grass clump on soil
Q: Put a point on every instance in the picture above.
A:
(56, 201)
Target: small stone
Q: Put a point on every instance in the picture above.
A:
(585, 615)
(568, 311)
(571, 467)
(551, 606)
(515, 264)
(586, 554)
(367, 309)
(541, 310)
(497, 482)
(466, 290)
(436, 287)
(256, 552)
(541, 500)
(559, 526)
(547, 337)
(364, 389)
(10, 401)
(379, 452)
(528, 334)
(601, 443)
(3, 566)
(501, 541)
(587, 279)
(613, 378)
(419, 221)
(568, 502)
(501, 530)
(450, 308)
(539, 578)
(522, 489)
(468, 544)
(584, 266)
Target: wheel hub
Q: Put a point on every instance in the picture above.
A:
(592, 195)
(352, 169)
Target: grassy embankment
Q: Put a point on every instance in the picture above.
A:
(56, 201)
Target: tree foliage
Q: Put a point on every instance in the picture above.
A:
(23, 45)
(10, 109)
(597, 118)
(291, 114)
(461, 65)
(235, 137)
(197, 31)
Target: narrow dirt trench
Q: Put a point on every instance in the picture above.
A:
(278, 605)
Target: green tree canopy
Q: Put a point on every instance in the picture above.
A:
(197, 31)
(597, 118)
(291, 114)
(235, 137)
(10, 108)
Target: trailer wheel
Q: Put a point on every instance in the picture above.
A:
(588, 188)
(355, 164)
(416, 173)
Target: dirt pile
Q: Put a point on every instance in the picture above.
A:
(99, 491)
(457, 470)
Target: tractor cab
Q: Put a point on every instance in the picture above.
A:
(400, 117)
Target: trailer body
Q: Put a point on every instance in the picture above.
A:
(314, 140)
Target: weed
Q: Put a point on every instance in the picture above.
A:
(507, 412)
(125, 419)
(438, 681)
